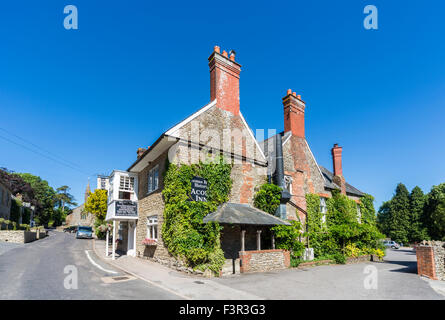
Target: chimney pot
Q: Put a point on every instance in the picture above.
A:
(224, 81)
(294, 114)
(140, 152)
(232, 55)
(216, 49)
(299, 96)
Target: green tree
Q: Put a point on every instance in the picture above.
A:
(44, 194)
(383, 217)
(434, 214)
(97, 204)
(64, 200)
(399, 215)
(417, 231)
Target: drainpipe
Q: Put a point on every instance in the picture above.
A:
(279, 177)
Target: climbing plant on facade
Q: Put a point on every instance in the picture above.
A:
(183, 231)
(342, 232)
(268, 198)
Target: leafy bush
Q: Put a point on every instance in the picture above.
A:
(268, 198)
(379, 253)
(287, 238)
(351, 250)
(183, 231)
(339, 258)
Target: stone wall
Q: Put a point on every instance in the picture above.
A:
(18, 236)
(152, 205)
(358, 259)
(431, 260)
(264, 260)
(78, 218)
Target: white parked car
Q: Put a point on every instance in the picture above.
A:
(391, 244)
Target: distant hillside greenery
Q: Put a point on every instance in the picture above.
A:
(414, 216)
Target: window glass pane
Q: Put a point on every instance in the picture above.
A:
(156, 180)
(150, 182)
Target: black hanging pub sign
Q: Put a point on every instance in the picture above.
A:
(199, 189)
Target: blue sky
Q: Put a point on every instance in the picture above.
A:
(133, 69)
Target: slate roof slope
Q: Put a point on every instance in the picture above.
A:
(271, 142)
(238, 213)
(329, 176)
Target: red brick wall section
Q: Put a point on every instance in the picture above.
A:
(286, 258)
(425, 262)
(247, 187)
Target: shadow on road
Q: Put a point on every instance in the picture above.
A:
(407, 266)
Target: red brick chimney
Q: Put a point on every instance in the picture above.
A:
(224, 80)
(338, 171)
(294, 113)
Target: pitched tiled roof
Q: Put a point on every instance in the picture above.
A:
(328, 178)
(238, 213)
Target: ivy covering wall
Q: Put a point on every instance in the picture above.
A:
(183, 231)
(342, 234)
(286, 237)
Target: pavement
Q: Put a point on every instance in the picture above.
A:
(396, 278)
(41, 270)
(184, 285)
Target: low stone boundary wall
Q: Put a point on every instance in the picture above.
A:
(431, 260)
(315, 263)
(358, 259)
(18, 236)
(264, 260)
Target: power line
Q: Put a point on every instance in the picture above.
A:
(43, 155)
(40, 148)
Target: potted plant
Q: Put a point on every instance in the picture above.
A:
(149, 242)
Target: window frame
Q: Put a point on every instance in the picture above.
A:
(152, 228)
(153, 179)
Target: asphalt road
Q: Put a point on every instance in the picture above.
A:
(36, 270)
(396, 279)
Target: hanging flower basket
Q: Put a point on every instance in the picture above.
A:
(150, 242)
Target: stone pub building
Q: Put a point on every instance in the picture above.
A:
(284, 158)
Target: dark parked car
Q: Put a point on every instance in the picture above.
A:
(70, 229)
(84, 232)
